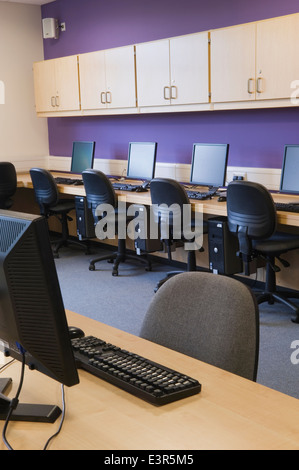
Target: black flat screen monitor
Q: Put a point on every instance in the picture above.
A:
(142, 160)
(208, 166)
(82, 156)
(289, 182)
(32, 315)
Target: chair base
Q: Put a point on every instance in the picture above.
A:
(118, 257)
(272, 297)
(61, 243)
(191, 266)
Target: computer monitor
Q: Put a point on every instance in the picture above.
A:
(142, 160)
(82, 156)
(33, 323)
(208, 166)
(289, 182)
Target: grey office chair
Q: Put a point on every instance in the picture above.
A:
(165, 193)
(209, 317)
(47, 197)
(99, 190)
(8, 184)
(252, 218)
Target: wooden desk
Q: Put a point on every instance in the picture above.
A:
(229, 413)
(209, 206)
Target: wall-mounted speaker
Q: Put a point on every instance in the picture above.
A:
(50, 28)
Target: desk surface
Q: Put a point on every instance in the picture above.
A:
(209, 206)
(229, 413)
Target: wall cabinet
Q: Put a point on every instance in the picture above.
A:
(56, 85)
(255, 61)
(173, 71)
(107, 79)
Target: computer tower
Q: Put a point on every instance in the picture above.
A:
(223, 246)
(144, 243)
(85, 220)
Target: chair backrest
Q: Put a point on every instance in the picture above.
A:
(98, 189)
(8, 184)
(168, 199)
(45, 189)
(212, 318)
(250, 206)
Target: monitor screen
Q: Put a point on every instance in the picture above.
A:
(142, 160)
(289, 182)
(209, 162)
(32, 314)
(82, 156)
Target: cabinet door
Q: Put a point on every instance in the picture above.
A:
(92, 80)
(189, 65)
(233, 63)
(67, 83)
(120, 77)
(277, 56)
(153, 81)
(44, 86)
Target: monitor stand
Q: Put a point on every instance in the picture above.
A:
(26, 411)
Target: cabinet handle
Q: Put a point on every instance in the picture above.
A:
(108, 97)
(250, 85)
(103, 95)
(259, 83)
(57, 103)
(164, 93)
(53, 104)
(175, 95)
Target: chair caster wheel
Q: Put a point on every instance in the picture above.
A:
(92, 268)
(114, 272)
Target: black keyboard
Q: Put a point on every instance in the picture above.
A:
(141, 377)
(287, 206)
(63, 180)
(129, 187)
(200, 195)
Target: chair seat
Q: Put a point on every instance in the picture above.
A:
(280, 242)
(65, 205)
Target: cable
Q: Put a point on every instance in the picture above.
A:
(61, 421)
(14, 403)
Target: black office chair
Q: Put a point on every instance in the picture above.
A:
(47, 196)
(8, 184)
(166, 192)
(99, 190)
(252, 217)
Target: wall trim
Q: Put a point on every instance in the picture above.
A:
(269, 177)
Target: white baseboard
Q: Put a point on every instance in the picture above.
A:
(269, 177)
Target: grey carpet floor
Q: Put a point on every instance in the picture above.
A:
(122, 302)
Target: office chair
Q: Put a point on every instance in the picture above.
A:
(209, 317)
(47, 197)
(99, 190)
(8, 184)
(252, 217)
(168, 192)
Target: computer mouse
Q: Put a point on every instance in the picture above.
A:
(75, 332)
(221, 198)
(78, 183)
(140, 189)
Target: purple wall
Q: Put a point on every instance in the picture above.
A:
(256, 137)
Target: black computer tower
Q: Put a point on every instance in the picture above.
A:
(85, 220)
(144, 243)
(223, 246)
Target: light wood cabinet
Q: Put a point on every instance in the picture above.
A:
(56, 85)
(255, 61)
(107, 79)
(173, 71)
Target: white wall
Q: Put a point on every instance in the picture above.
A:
(23, 136)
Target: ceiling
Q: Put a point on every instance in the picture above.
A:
(32, 2)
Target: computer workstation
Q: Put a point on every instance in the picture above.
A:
(289, 182)
(141, 167)
(208, 170)
(82, 159)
